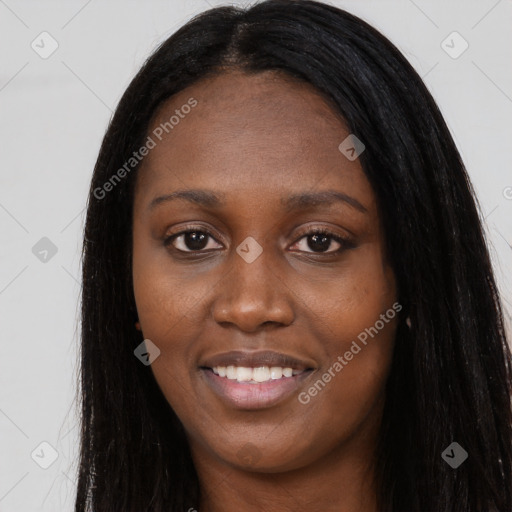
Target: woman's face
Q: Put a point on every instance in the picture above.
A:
(250, 166)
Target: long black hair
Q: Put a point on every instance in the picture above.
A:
(451, 375)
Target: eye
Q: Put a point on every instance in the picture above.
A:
(191, 240)
(319, 240)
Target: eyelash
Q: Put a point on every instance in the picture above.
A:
(345, 243)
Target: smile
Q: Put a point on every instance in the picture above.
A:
(254, 388)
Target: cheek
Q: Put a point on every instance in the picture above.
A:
(165, 293)
(348, 389)
(349, 300)
(355, 316)
(166, 304)
(352, 399)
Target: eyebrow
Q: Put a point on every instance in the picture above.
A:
(324, 198)
(198, 196)
(302, 200)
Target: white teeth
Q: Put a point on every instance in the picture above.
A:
(261, 374)
(276, 372)
(231, 372)
(254, 375)
(243, 374)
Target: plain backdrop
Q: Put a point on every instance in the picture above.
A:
(53, 115)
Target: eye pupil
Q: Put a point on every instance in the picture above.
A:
(195, 240)
(320, 242)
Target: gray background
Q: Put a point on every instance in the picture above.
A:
(54, 113)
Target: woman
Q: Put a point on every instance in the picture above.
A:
(288, 302)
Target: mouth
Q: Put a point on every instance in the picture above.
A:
(254, 380)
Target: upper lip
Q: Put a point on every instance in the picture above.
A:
(256, 359)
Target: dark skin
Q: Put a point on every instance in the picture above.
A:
(254, 140)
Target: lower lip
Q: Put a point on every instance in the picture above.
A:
(243, 395)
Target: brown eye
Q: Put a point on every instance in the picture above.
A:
(320, 241)
(190, 241)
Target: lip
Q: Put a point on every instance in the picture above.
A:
(250, 396)
(257, 359)
(244, 395)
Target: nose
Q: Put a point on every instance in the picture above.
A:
(253, 295)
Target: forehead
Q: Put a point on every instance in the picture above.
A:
(261, 134)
